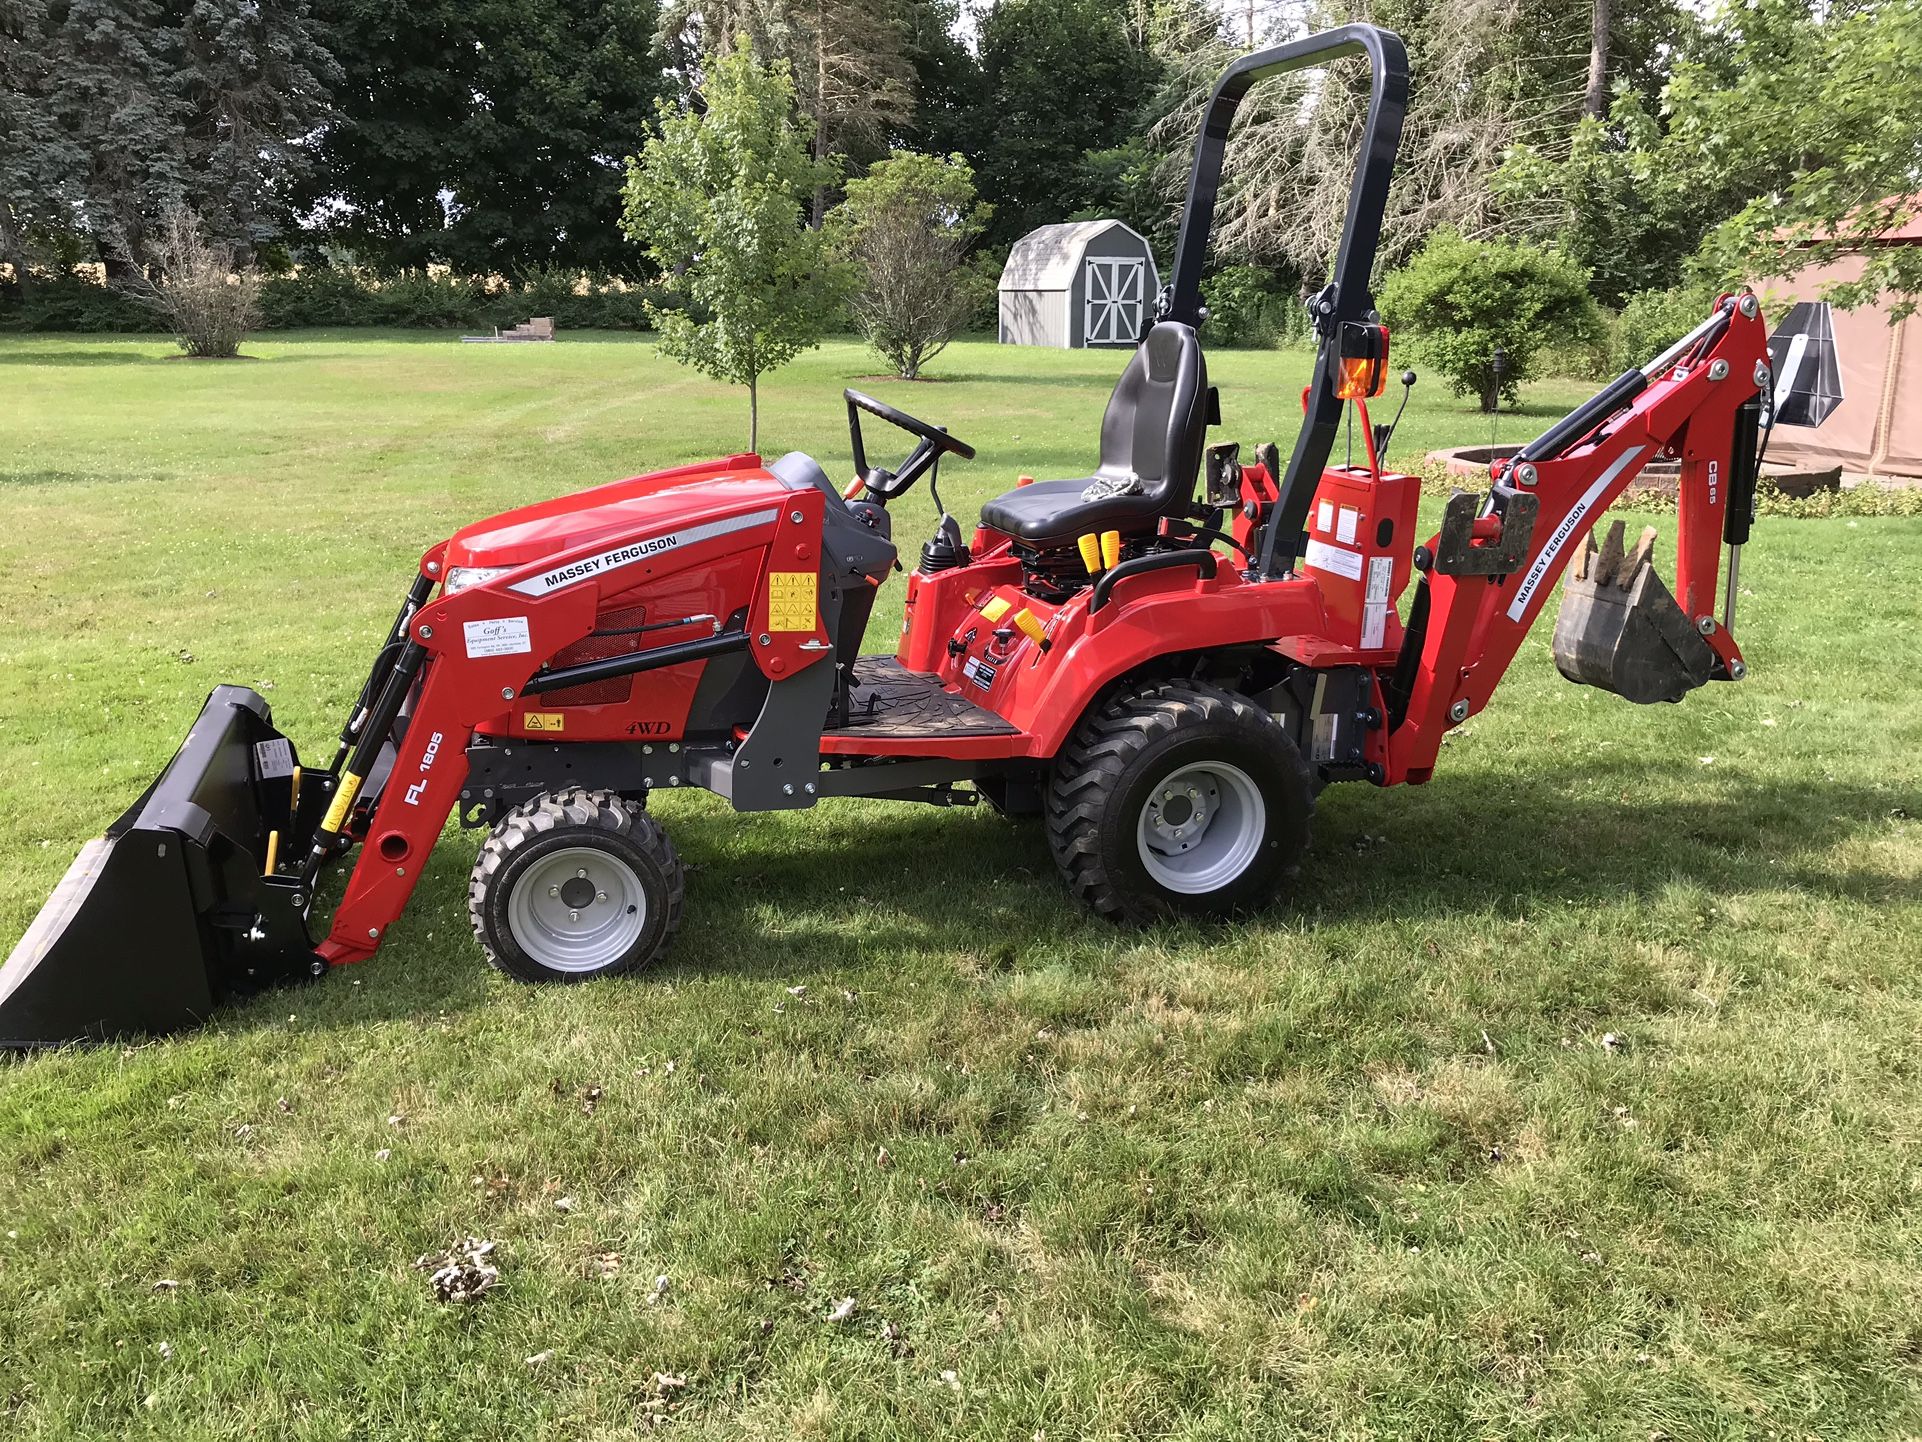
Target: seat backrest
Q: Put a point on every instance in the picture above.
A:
(1156, 423)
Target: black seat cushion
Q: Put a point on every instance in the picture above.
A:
(1152, 437)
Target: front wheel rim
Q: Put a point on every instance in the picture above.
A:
(1201, 827)
(577, 909)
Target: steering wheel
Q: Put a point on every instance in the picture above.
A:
(931, 443)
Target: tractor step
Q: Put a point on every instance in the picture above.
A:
(888, 702)
(1620, 629)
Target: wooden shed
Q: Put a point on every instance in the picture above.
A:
(1081, 283)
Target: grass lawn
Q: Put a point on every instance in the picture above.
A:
(1362, 1167)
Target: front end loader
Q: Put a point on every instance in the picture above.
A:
(1166, 659)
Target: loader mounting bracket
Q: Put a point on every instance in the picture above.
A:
(1456, 553)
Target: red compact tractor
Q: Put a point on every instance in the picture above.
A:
(1166, 659)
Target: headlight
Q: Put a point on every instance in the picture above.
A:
(461, 577)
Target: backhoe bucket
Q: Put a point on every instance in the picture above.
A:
(171, 912)
(1620, 629)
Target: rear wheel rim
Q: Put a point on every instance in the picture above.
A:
(577, 909)
(1200, 828)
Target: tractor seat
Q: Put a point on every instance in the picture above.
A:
(1151, 441)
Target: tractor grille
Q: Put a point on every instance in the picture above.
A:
(597, 648)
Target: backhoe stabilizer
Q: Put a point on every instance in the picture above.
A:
(1621, 630)
(172, 912)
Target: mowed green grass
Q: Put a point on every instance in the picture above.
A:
(1363, 1166)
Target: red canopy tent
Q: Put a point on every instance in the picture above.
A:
(1877, 429)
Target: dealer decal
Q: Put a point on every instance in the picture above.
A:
(575, 571)
(497, 636)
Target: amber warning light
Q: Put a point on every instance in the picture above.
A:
(1363, 361)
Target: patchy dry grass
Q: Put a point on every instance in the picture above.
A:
(1574, 1094)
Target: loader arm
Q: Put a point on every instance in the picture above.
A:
(1488, 573)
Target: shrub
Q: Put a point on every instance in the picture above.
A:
(1653, 320)
(208, 301)
(68, 302)
(325, 297)
(905, 227)
(1245, 307)
(980, 278)
(318, 297)
(1459, 299)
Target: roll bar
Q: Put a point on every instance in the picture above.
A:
(1347, 297)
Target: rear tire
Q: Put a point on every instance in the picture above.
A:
(1179, 799)
(573, 885)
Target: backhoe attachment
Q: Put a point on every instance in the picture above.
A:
(1620, 629)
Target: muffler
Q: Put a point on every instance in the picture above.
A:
(1620, 629)
(178, 908)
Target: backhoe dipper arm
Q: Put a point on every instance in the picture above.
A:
(1700, 404)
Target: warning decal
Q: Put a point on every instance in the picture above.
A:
(790, 600)
(544, 721)
(273, 759)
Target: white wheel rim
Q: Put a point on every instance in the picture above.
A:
(1201, 827)
(577, 909)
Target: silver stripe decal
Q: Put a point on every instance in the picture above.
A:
(587, 567)
(1571, 523)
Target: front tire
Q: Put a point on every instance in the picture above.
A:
(1179, 799)
(573, 885)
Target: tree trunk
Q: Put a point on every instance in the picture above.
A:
(754, 414)
(13, 252)
(1595, 100)
(820, 208)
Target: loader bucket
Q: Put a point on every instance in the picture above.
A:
(1620, 629)
(169, 913)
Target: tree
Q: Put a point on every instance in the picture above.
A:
(717, 197)
(1060, 78)
(487, 134)
(1459, 299)
(906, 228)
(1825, 91)
(947, 80)
(853, 79)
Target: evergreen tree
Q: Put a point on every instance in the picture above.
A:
(116, 111)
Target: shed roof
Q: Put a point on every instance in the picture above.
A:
(1045, 258)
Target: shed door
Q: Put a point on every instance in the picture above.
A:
(1112, 314)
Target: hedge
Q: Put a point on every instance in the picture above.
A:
(339, 298)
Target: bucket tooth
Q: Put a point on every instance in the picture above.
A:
(169, 914)
(1620, 629)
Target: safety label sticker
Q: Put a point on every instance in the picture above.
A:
(1339, 559)
(1374, 611)
(497, 636)
(790, 600)
(1346, 523)
(545, 721)
(979, 672)
(273, 759)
